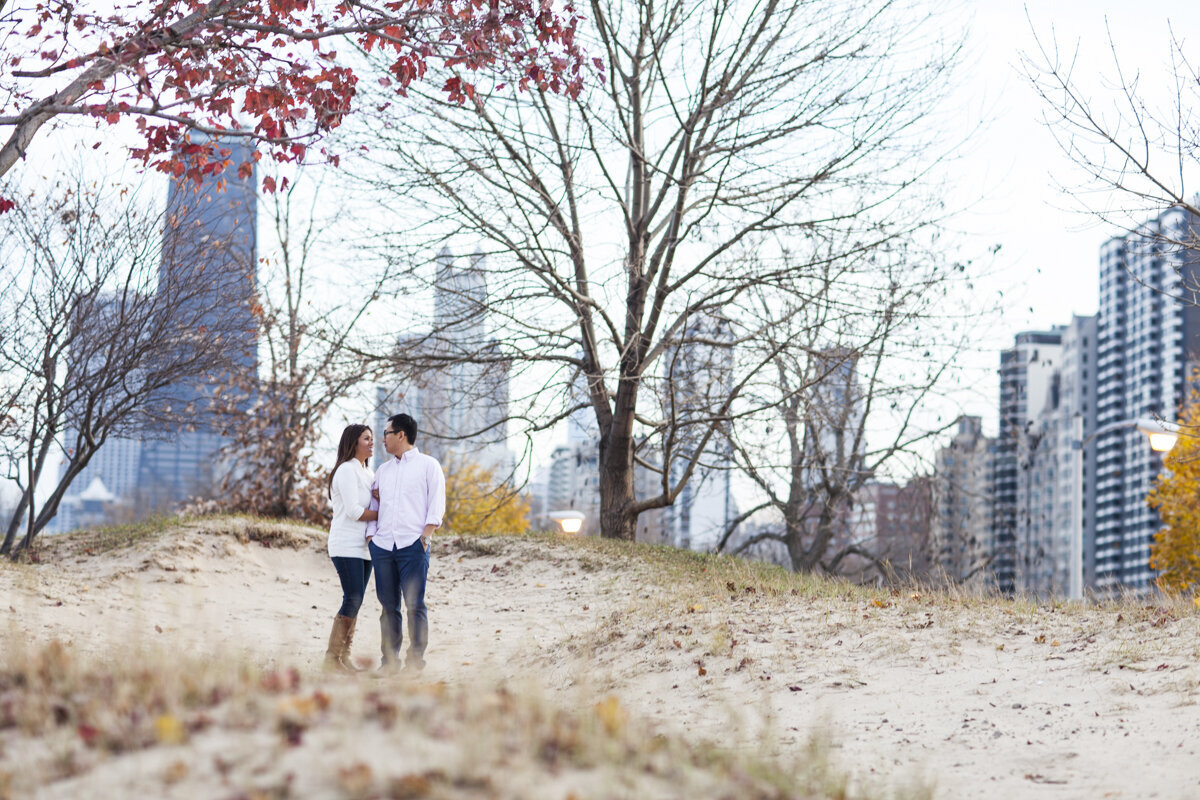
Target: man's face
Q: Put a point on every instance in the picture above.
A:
(393, 440)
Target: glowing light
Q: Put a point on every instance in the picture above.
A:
(1162, 442)
(569, 521)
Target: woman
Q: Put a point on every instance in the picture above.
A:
(349, 494)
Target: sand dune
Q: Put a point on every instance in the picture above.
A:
(909, 694)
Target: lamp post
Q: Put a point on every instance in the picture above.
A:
(1162, 436)
(568, 521)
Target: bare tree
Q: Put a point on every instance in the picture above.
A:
(614, 220)
(1137, 149)
(95, 339)
(312, 315)
(853, 371)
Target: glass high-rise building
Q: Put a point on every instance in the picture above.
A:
(210, 244)
(1026, 370)
(1148, 330)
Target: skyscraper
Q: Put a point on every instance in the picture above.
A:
(1148, 344)
(1049, 500)
(210, 241)
(698, 376)
(962, 502)
(460, 395)
(1026, 371)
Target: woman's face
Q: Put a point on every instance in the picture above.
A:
(366, 445)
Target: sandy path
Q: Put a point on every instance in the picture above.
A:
(969, 700)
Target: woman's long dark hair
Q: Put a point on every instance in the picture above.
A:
(347, 447)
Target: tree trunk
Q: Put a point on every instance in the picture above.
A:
(14, 524)
(805, 556)
(616, 501)
(617, 520)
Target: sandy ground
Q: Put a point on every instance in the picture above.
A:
(979, 700)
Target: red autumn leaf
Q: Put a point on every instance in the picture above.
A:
(87, 733)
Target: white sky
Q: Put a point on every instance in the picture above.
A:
(1048, 263)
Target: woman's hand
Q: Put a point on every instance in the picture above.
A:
(369, 516)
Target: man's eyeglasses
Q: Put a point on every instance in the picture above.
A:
(386, 432)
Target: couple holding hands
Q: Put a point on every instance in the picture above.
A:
(383, 520)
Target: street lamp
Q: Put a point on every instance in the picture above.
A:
(1162, 436)
(568, 521)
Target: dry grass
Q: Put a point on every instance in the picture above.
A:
(196, 725)
(144, 535)
(696, 592)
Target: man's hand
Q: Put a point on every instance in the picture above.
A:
(427, 537)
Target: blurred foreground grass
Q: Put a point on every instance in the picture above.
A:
(154, 725)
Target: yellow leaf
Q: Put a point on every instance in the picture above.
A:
(1176, 497)
(611, 715)
(297, 706)
(695, 608)
(169, 730)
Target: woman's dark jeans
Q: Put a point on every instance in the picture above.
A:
(355, 574)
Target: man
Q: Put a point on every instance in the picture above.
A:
(411, 491)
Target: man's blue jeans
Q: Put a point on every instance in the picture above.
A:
(400, 575)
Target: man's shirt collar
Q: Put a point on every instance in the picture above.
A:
(407, 453)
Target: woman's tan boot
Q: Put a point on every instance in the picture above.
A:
(344, 656)
(335, 652)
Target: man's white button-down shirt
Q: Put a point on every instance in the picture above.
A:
(412, 494)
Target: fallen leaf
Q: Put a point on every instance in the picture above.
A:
(611, 715)
(176, 772)
(795, 689)
(168, 729)
(356, 779)
(410, 786)
(87, 733)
